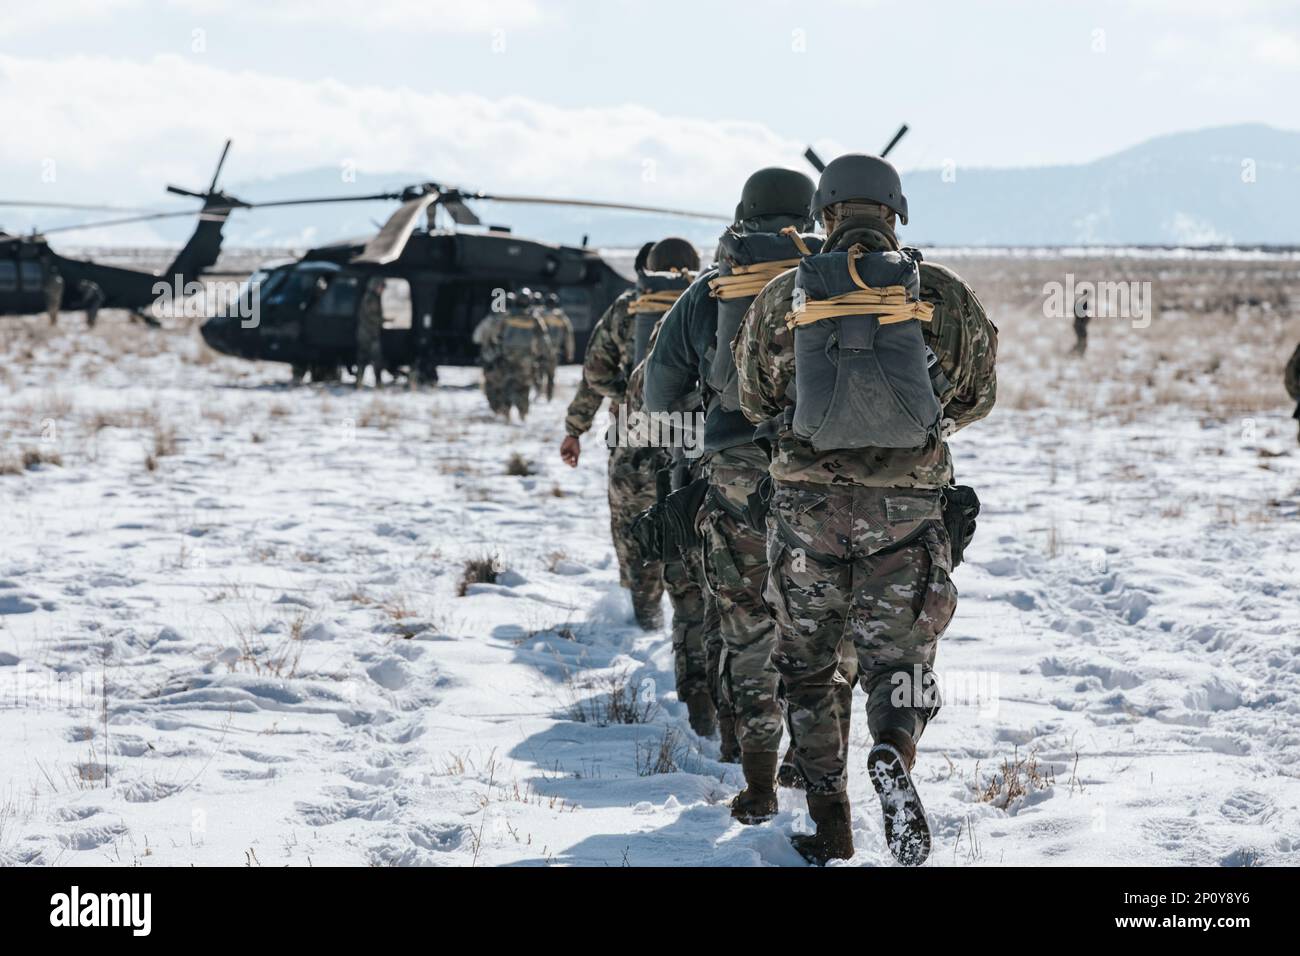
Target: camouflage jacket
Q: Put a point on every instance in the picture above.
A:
(960, 334)
(560, 329)
(1291, 377)
(582, 410)
(608, 363)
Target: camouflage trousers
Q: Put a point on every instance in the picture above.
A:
(507, 384)
(632, 474)
(735, 562)
(369, 355)
(694, 671)
(545, 379)
(866, 565)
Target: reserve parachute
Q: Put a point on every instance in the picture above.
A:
(862, 377)
(656, 293)
(746, 263)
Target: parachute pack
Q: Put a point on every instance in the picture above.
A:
(518, 335)
(747, 262)
(862, 367)
(656, 293)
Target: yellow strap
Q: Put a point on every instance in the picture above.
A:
(797, 239)
(748, 280)
(890, 305)
(660, 301)
(521, 323)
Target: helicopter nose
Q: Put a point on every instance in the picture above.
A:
(216, 332)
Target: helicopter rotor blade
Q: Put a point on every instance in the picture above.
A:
(389, 242)
(315, 200)
(811, 155)
(118, 222)
(220, 162)
(80, 207)
(598, 204)
(461, 214)
(902, 131)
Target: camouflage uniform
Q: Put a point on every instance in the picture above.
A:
(734, 552)
(856, 545)
(1081, 317)
(370, 326)
(52, 285)
(511, 344)
(1291, 378)
(606, 369)
(92, 298)
(560, 331)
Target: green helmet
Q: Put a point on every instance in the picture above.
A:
(672, 253)
(775, 191)
(859, 177)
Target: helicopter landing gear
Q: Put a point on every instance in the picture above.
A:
(325, 373)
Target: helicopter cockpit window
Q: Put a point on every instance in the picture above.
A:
(302, 286)
(340, 298)
(397, 303)
(30, 273)
(8, 276)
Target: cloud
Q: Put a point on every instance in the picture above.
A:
(117, 129)
(425, 16)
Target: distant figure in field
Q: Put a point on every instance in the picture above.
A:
(1082, 313)
(92, 298)
(52, 286)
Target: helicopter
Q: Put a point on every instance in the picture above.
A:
(26, 260)
(438, 284)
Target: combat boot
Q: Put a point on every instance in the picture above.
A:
(834, 837)
(907, 832)
(757, 802)
(730, 745)
(701, 713)
(789, 776)
(649, 617)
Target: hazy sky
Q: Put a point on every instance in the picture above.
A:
(652, 101)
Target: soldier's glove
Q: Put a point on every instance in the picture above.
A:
(681, 511)
(647, 531)
(961, 506)
(758, 503)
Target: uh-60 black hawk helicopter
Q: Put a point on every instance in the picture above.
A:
(438, 284)
(445, 281)
(27, 261)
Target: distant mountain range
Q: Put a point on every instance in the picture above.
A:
(1227, 185)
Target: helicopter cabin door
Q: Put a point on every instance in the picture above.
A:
(331, 319)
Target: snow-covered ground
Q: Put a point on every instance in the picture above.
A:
(230, 632)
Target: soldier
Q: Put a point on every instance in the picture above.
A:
(618, 344)
(511, 343)
(370, 328)
(560, 330)
(1291, 377)
(1082, 313)
(52, 286)
(858, 387)
(693, 350)
(92, 298)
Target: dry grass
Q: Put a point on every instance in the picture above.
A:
(667, 754)
(615, 701)
(520, 466)
(481, 570)
(1019, 777)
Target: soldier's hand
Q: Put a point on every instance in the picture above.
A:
(570, 451)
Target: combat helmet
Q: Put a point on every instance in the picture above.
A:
(672, 253)
(775, 191)
(860, 177)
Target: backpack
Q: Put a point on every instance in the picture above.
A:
(656, 293)
(518, 336)
(747, 262)
(862, 377)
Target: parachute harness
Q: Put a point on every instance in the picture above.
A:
(889, 305)
(749, 280)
